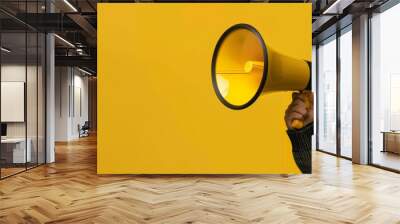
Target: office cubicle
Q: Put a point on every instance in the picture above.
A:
(22, 88)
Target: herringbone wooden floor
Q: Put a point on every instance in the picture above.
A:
(69, 191)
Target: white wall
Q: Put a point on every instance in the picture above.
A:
(80, 84)
(16, 73)
(33, 127)
(62, 81)
(71, 102)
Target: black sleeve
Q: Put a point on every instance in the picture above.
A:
(301, 147)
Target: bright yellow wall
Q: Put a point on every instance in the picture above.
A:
(157, 110)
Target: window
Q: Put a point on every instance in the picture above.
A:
(385, 89)
(327, 95)
(346, 93)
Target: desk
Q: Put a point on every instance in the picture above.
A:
(391, 141)
(17, 152)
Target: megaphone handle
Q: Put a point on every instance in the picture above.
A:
(299, 124)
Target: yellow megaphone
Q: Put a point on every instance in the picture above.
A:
(244, 67)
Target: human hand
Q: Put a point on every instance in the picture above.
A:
(301, 109)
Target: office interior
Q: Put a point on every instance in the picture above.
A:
(376, 76)
(48, 82)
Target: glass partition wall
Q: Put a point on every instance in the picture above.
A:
(22, 98)
(334, 84)
(13, 89)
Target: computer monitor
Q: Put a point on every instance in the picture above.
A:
(3, 129)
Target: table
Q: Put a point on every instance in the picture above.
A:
(391, 141)
(17, 150)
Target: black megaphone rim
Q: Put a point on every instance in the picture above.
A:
(214, 61)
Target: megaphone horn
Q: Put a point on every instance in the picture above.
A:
(244, 67)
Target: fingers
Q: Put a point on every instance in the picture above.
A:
(294, 115)
(301, 96)
(296, 110)
(301, 108)
(297, 106)
(294, 95)
(306, 96)
(290, 116)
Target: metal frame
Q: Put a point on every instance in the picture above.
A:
(26, 88)
(387, 5)
(338, 98)
(369, 91)
(316, 103)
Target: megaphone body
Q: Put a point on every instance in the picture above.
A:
(244, 67)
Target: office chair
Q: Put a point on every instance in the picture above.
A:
(84, 130)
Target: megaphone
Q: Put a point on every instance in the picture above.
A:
(245, 67)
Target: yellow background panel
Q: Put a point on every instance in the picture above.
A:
(157, 110)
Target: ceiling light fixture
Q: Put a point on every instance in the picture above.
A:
(5, 50)
(70, 5)
(337, 7)
(84, 71)
(79, 51)
(65, 41)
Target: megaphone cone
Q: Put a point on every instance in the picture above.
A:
(244, 67)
